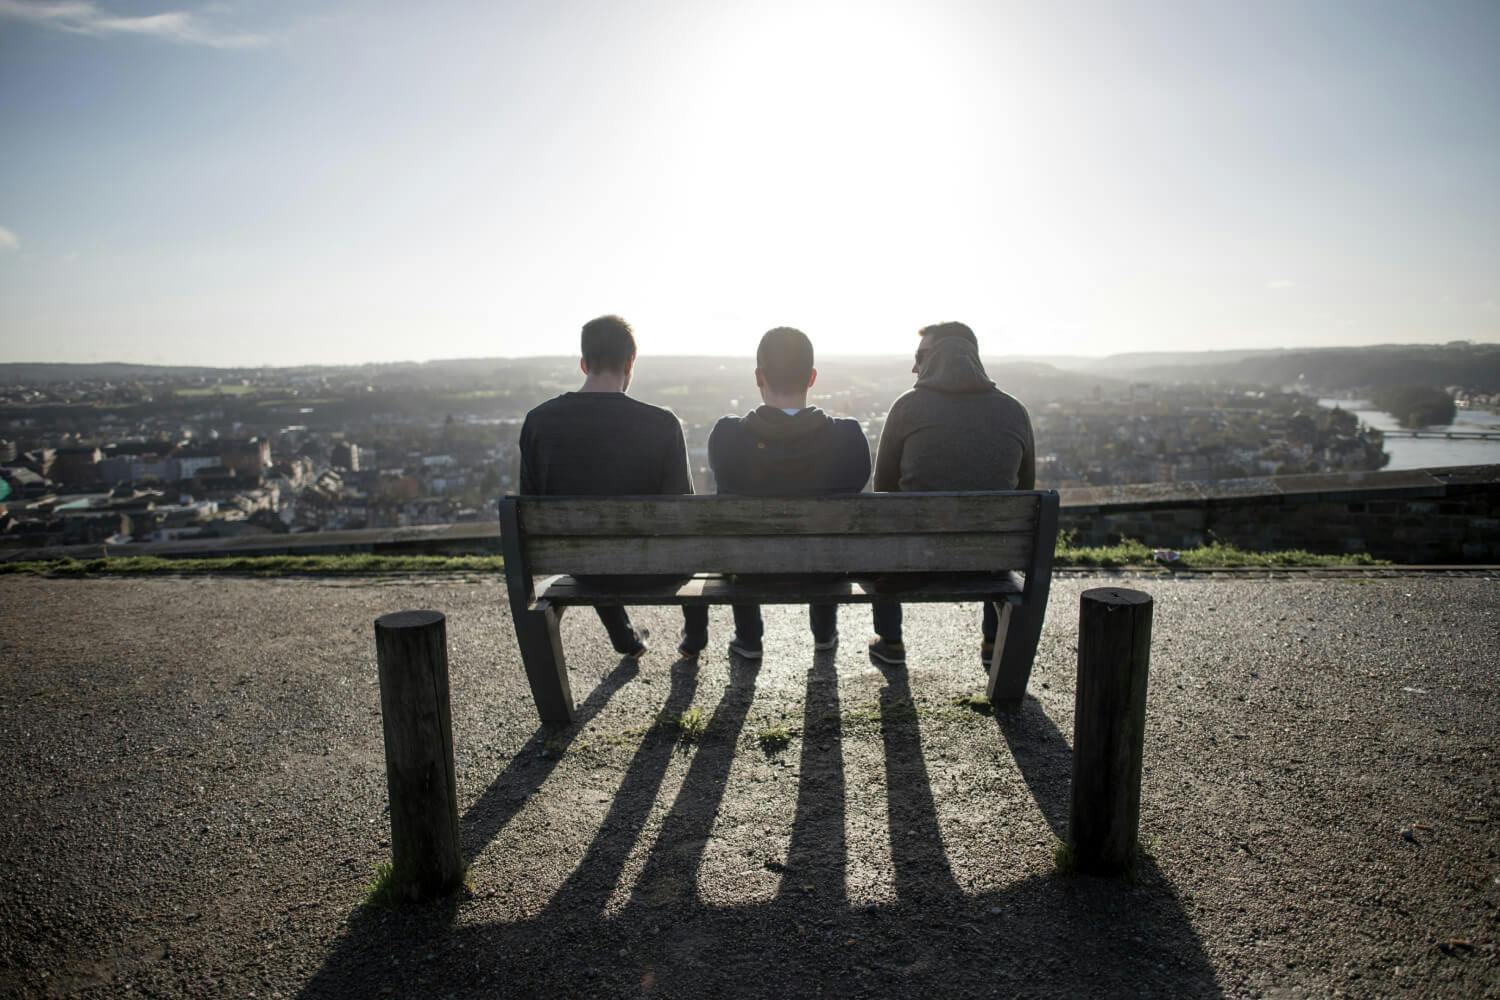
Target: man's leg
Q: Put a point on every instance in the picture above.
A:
(622, 635)
(748, 629)
(824, 619)
(991, 623)
(887, 648)
(887, 615)
(694, 629)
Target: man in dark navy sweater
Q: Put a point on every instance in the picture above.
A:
(786, 448)
(600, 442)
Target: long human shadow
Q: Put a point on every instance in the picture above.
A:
(588, 888)
(817, 855)
(922, 869)
(1042, 935)
(670, 873)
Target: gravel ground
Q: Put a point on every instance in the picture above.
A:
(195, 799)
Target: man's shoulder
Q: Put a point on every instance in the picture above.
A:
(730, 423)
(1011, 403)
(611, 405)
(848, 428)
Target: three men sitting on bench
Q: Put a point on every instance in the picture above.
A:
(953, 431)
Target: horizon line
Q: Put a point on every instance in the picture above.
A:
(739, 357)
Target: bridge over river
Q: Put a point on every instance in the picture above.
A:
(1450, 435)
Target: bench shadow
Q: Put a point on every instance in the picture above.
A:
(534, 763)
(1043, 935)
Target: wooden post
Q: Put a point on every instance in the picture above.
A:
(1109, 728)
(412, 650)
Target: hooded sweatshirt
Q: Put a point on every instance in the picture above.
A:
(954, 430)
(769, 452)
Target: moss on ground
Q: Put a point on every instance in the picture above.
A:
(1213, 556)
(1129, 553)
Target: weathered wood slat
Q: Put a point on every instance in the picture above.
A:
(861, 514)
(562, 591)
(958, 553)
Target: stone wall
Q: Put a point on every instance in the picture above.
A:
(1420, 516)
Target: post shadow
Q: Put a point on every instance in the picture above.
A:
(671, 871)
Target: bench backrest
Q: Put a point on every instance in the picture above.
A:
(855, 533)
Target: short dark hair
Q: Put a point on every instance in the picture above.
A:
(608, 344)
(942, 331)
(785, 357)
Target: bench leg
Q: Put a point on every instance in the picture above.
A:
(546, 669)
(1015, 649)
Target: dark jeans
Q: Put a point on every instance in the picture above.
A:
(887, 615)
(749, 628)
(623, 636)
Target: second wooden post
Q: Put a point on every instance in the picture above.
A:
(412, 650)
(1109, 728)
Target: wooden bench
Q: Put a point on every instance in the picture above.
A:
(854, 548)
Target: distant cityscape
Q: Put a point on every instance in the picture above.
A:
(155, 455)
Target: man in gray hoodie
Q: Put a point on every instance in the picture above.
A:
(954, 430)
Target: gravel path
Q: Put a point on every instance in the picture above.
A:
(195, 802)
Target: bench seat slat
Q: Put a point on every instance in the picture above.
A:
(680, 556)
(714, 589)
(858, 514)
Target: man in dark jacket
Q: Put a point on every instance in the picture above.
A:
(600, 442)
(786, 448)
(954, 430)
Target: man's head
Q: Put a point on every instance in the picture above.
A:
(935, 334)
(608, 347)
(784, 363)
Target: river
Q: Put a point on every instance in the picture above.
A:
(1428, 453)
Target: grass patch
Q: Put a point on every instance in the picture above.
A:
(1063, 858)
(689, 726)
(774, 739)
(1216, 555)
(1129, 553)
(976, 703)
(382, 890)
(353, 564)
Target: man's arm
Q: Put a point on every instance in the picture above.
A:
(717, 439)
(855, 465)
(677, 477)
(1026, 474)
(888, 452)
(529, 484)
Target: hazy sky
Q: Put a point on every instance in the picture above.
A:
(303, 181)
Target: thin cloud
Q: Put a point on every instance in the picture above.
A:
(1280, 284)
(84, 17)
(9, 240)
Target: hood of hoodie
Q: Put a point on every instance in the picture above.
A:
(771, 423)
(953, 365)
